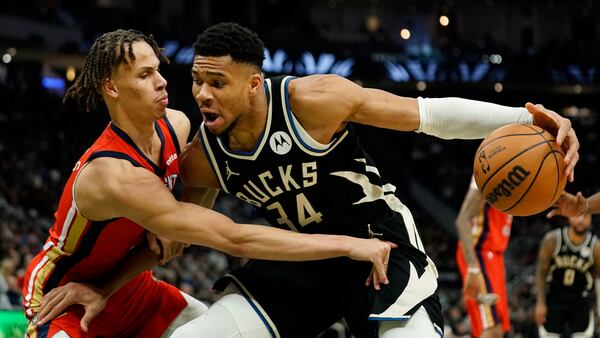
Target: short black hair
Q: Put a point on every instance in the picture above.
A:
(107, 52)
(229, 38)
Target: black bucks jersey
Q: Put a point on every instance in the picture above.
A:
(301, 185)
(570, 276)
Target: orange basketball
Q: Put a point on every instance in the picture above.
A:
(520, 168)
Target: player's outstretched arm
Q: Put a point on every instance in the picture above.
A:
(593, 204)
(543, 265)
(447, 118)
(109, 188)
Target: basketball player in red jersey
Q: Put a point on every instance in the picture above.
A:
(484, 233)
(127, 182)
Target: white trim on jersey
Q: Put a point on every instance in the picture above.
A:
(417, 289)
(374, 192)
(32, 280)
(300, 136)
(256, 306)
(543, 333)
(419, 325)
(558, 242)
(572, 246)
(371, 169)
(252, 156)
(211, 155)
(67, 224)
(483, 314)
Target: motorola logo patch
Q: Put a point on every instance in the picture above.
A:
(280, 143)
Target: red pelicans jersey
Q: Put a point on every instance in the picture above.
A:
(81, 250)
(491, 230)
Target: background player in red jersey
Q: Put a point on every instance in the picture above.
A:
(484, 233)
(127, 182)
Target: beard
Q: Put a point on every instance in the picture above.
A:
(229, 128)
(580, 232)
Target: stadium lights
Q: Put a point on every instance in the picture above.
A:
(405, 34)
(444, 20)
(496, 59)
(6, 58)
(498, 87)
(421, 85)
(70, 75)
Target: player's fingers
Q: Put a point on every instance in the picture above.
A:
(572, 155)
(48, 303)
(90, 313)
(543, 118)
(370, 278)
(552, 213)
(53, 312)
(379, 274)
(392, 244)
(564, 130)
(153, 243)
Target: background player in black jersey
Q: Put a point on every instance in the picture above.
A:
(299, 162)
(568, 261)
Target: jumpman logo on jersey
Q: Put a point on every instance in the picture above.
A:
(228, 171)
(373, 234)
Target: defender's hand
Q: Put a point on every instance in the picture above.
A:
(568, 205)
(473, 285)
(560, 127)
(59, 299)
(165, 248)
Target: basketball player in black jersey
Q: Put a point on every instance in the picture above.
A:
(287, 146)
(568, 261)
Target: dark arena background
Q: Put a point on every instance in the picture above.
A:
(507, 52)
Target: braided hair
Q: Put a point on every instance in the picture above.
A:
(107, 52)
(228, 38)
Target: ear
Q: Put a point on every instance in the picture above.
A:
(109, 88)
(256, 82)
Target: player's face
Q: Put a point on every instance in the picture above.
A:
(221, 89)
(580, 224)
(142, 91)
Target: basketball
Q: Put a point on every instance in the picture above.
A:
(519, 169)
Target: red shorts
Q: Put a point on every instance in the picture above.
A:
(487, 316)
(144, 307)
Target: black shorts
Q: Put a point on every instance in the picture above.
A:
(574, 313)
(302, 299)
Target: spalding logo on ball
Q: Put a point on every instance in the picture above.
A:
(519, 169)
